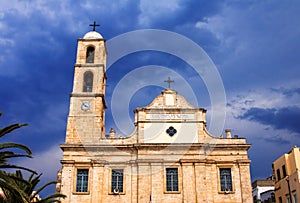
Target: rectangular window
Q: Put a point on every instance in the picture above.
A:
(117, 176)
(225, 179)
(283, 171)
(172, 179)
(82, 180)
(278, 174)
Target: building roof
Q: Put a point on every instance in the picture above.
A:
(170, 99)
(262, 183)
(92, 35)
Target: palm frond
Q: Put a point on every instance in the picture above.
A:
(8, 145)
(9, 166)
(12, 191)
(53, 198)
(44, 186)
(10, 128)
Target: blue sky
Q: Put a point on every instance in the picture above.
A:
(255, 46)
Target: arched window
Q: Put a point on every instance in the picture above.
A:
(90, 54)
(88, 81)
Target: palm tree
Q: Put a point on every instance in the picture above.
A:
(7, 152)
(29, 187)
(14, 187)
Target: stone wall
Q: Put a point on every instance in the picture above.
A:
(145, 177)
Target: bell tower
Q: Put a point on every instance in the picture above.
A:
(87, 100)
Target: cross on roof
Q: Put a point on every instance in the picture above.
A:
(169, 81)
(94, 25)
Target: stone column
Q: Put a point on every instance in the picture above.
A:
(144, 183)
(188, 180)
(134, 183)
(201, 185)
(246, 189)
(67, 179)
(157, 182)
(97, 180)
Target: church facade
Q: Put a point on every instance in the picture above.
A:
(170, 156)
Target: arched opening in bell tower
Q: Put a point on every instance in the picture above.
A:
(90, 54)
(88, 81)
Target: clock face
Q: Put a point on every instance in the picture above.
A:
(85, 105)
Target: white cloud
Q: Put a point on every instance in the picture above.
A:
(50, 8)
(104, 6)
(224, 26)
(202, 25)
(6, 42)
(20, 6)
(46, 162)
(214, 24)
(153, 10)
(262, 99)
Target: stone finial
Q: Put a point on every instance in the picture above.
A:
(228, 133)
(112, 133)
(58, 184)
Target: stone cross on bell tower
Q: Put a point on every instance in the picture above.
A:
(94, 25)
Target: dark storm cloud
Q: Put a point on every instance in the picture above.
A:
(279, 118)
(287, 92)
(277, 140)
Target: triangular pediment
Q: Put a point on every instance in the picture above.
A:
(169, 99)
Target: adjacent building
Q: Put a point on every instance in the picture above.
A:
(170, 156)
(287, 177)
(263, 191)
